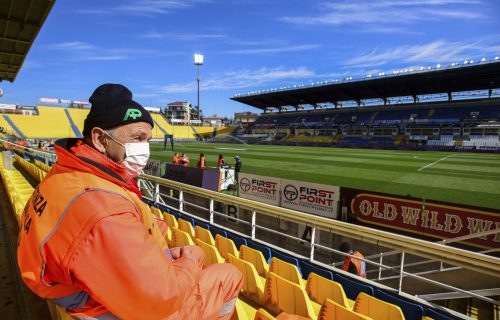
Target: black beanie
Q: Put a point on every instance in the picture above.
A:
(112, 106)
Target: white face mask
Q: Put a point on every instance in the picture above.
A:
(136, 156)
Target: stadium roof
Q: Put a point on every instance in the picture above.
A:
(472, 76)
(20, 22)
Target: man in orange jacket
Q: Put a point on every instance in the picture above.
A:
(90, 245)
(351, 263)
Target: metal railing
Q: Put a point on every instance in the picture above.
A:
(403, 245)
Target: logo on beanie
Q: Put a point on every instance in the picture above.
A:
(132, 113)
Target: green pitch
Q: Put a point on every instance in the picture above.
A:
(468, 178)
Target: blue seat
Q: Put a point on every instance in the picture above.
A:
(265, 250)
(438, 315)
(202, 224)
(188, 219)
(215, 231)
(287, 258)
(411, 311)
(307, 268)
(353, 288)
(238, 241)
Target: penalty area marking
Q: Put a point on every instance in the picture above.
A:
(430, 164)
(234, 149)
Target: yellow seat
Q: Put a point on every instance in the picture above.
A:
(253, 286)
(332, 310)
(204, 235)
(225, 246)
(57, 312)
(281, 295)
(285, 270)
(157, 212)
(186, 226)
(180, 238)
(243, 311)
(211, 254)
(256, 258)
(262, 314)
(319, 289)
(170, 220)
(376, 308)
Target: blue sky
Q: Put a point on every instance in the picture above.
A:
(248, 45)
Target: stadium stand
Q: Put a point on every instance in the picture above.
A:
(58, 122)
(318, 298)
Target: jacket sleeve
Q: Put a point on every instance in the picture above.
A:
(122, 267)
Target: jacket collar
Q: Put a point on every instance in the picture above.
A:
(76, 154)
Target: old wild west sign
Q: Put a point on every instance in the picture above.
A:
(426, 218)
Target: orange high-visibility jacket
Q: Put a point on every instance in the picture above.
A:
(359, 264)
(89, 244)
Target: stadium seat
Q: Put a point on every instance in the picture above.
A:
(262, 314)
(215, 231)
(238, 241)
(253, 285)
(376, 308)
(411, 311)
(285, 270)
(281, 295)
(307, 268)
(256, 258)
(265, 250)
(157, 212)
(171, 220)
(201, 224)
(353, 288)
(287, 258)
(436, 315)
(211, 254)
(186, 226)
(204, 235)
(225, 246)
(243, 311)
(334, 311)
(320, 289)
(180, 238)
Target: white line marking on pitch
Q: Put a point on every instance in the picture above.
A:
(430, 164)
(234, 149)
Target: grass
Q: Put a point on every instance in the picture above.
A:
(463, 178)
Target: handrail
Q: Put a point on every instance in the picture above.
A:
(459, 257)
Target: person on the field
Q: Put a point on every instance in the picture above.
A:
(184, 160)
(201, 161)
(237, 166)
(175, 158)
(352, 264)
(91, 246)
(220, 162)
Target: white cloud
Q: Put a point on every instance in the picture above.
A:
(181, 36)
(239, 79)
(83, 51)
(282, 49)
(390, 12)
(439, 51)
(146, 7)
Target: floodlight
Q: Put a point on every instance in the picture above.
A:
(496, 58)
(198, 59)
(438, 66)
(483, 59)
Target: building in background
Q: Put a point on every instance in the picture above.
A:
(179, 112)
(213, 121)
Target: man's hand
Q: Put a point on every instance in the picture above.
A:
(194, 253)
